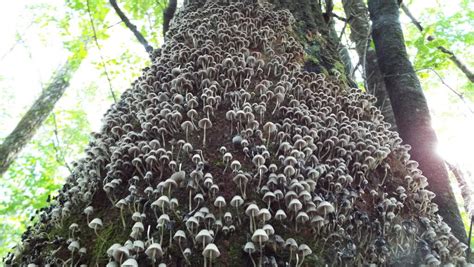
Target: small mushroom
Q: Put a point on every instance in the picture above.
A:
(95, 224)
(204, 123)
(211, 252)
(249, 248)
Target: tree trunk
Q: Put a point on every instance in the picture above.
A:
(239, 146)
(410, 107)
(34, 118)
(357, 17)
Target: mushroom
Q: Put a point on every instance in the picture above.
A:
(269, 128)
(292, 245)
(260, 236)
(305, 250)
(95, 224)
(211, 252)
(204, 124)
(154, 252)
(88, 211)
(179, 237)
(121, 204)
(236, 202)
(252, 211)
(73, 247)
(250, 248)
(203, 237)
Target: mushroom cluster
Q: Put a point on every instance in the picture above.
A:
(225, 142)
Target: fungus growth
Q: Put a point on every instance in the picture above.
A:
(305, 154)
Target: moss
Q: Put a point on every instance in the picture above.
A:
(113, 233)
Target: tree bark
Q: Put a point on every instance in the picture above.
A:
(410, 107)
(244, 100)
(34, 117)
(168, 14)
(358, 18)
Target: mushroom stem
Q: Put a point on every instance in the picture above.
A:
(251, 258)
(190, 202)
(291, 255)
(121, 217)
(302, 260)
(182, 252)
(204, 140)
(297, 260)
(72, 258)
(261, 251)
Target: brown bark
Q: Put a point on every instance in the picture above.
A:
(410, 107)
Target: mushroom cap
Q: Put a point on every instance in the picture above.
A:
(249, 247)
(96, 223)
(259, 236)
(252, 210)
(130, 263)
(138, 227)
(269, 229)
(154, 249)
(211, 251)
(110, 251)
(325, 207)
(179, 235)
(295, 205)
(74, 246)
(220, 202)
(280, 215)
(236, 201)
(204, 236)
(88, 210)
(291, 243)
(305, 249)
(204, 123)
(121, 253)
(73, 226)
(264, 214)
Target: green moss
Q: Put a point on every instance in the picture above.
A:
(235, 251)
(113, 233)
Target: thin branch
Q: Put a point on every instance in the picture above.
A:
(469, 74)
(57, 146)
(100, 52)
(460, 95)
(412, 18)
(461, 66)
(131, 26)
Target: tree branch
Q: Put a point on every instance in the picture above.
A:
(100, 52)
(57, 146)
(34, 117)
(460, 95)
(461, 66)
(131, 26)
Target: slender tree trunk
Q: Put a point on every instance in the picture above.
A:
(410, 107)
(34, 117)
